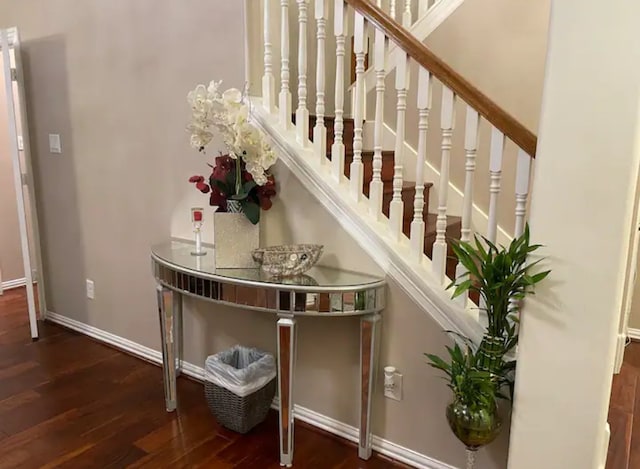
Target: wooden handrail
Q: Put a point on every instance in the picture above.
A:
(500, 119)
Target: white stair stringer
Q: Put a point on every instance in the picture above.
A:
(394, 257)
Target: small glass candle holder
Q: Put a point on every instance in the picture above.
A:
(197, 215)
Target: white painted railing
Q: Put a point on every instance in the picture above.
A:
(407, 232)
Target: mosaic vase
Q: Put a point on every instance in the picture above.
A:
(235, 237)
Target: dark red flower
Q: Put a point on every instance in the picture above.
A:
(202, 187)
(217, 198)
(266, 192)
(196, 179)
(224, 165)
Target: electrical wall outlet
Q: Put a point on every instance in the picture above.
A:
(392, 384)
(91, 289)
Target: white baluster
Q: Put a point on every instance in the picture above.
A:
(285, 93)
(392, 9)
(406, 14)
(423, 7)
(268, 81)
(424, 106)
(471, 148)
(376, 188)
(447, 121)
(523, 174)
(495, 172)
(320, 131)
(356, 175)
(396, 210)
(337, 149)
(302, 113)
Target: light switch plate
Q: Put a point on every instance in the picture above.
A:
(55, 145)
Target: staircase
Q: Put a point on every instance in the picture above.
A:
(382, 196)
(408, 192)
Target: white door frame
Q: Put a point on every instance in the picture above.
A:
(23, 177)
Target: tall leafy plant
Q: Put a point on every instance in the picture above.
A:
(502, 277)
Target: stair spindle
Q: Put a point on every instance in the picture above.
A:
(406, 14)
(337, 149)
(285, 93)
(356, 171)
(302, 113)
(495, 172)
(392, 9)
(396, 209)
(268, 81)
(376, 188)
(523, 174)
(423, 7)
(472, 125)
(447, 121)
(424, 106)
(320, 131)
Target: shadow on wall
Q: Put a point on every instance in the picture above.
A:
(48, 108)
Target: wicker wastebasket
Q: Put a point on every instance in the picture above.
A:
(239, 387)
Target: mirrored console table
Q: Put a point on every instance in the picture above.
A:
(322, 291)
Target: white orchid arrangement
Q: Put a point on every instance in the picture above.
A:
(228, 113)
(242, 175)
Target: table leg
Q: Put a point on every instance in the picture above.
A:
(170, 311)
(286, 363)
(368, 367)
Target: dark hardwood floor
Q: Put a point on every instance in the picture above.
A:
(67, 401)
(624, 413)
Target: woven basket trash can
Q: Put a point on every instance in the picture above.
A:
(240, 384)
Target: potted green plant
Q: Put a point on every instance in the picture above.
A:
(478, 375)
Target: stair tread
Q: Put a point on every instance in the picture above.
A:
(406, 186)
(348, 153)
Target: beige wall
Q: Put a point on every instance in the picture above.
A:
(11, 267)
(111, 78)
(499, 46)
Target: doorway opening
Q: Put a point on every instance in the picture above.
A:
(20, 255)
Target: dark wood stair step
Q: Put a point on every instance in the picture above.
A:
(329, 123)
(408, 198)
(367, 162)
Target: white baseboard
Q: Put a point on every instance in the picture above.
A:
(348, 432)
(9, 284)
(633, 334)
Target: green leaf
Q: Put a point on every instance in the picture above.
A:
(221, 185)
(251, 210)
(248, 186)
(540, 276)
(438, 362)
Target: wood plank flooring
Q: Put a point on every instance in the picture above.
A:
(67, 401)
(624, 413)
